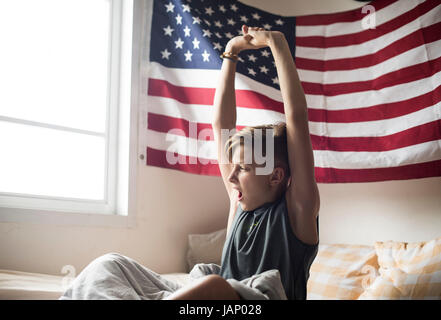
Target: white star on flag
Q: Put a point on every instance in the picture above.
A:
(217, 46)
(196, 43)
(275, 80)
(256, 16)
(179, 43)
(229, 35)
(222, 8)
(170, 7)
(185, 8)
(251, 57)
(187, 31)
(265, 53)
(251, 71)
(178, 19)
(234, 7)
(205, 56)
(264, 69)
(209, 11)
(207, 33)
(279, 22)
(243, 19)
(218, 24)
(231, 22)
(196, 20)
(188, 55)
(168, 31)
(267, 26)
(165, 54)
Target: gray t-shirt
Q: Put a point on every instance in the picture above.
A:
(263, 239)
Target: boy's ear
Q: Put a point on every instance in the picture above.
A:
(277, 176)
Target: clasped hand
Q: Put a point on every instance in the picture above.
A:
(252, 38)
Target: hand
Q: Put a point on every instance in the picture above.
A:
(253, 38)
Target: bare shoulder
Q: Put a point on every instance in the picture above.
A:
(303, 216)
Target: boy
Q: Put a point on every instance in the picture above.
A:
(273, 218)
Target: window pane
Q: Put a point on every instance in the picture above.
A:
(53, 61)
(49, 162)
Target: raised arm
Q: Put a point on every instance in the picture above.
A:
(224, 114)
(302, 196)
(224, 117)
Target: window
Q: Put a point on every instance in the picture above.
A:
(64, 116)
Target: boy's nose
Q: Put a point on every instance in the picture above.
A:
(232, 176)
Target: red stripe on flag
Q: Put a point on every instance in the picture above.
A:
(162, 123)
(162, 88)
(420, 37)
(181, 127)
(412, 171)
(205, 96)
(255, 100)
(404, 75)
(377, 112)
(158, 158)
(369, 34)
(345, 16)
(424, 133)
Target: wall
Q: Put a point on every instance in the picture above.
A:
(172, 204)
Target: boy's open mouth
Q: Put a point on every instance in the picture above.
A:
(239, 197)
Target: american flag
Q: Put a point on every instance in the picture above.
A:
(371, 77)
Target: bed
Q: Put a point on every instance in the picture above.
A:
(385, 270)
(17, 285)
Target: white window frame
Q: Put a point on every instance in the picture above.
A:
(119, 208)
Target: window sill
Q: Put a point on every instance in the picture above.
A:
(26, 216)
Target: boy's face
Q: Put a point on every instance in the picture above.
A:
(252, 190)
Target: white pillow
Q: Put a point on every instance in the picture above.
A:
(205, 248)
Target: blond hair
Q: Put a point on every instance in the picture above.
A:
(248, 134)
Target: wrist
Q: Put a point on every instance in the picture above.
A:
(231, 48)
(275, 39)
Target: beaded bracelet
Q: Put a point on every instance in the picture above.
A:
(229, 55)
